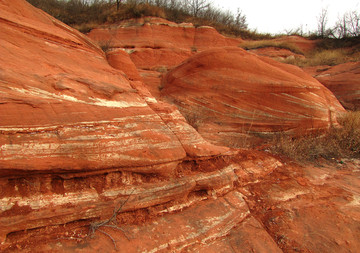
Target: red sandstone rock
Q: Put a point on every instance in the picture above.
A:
(225, 92)
(319, 216)
(156, 33)
(64, 108)
(156, 44)
(65, 112)
(343, 80)
(119, 59)
(80, 140)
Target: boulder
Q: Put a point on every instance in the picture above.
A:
(228, 91)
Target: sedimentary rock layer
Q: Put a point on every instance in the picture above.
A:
(156, 45)
(155, 42)
(63, 108)
(66, 113)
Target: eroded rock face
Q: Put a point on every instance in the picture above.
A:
(156, 45)
(80, 140)
(228, 91)
(64, 108)
(65, 112)
(310, 209)
(343, 80)
(155, 42)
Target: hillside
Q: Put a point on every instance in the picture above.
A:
(127, 139)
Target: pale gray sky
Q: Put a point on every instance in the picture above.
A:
(276, 16)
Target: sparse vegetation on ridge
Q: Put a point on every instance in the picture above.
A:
(83, 14)
(270, 43)
(329, 57)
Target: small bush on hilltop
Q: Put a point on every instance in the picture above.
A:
(84, 14)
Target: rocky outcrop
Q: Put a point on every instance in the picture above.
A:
(343, 80)
(65, 108)
(156, 45)
(91, 161)
(66, 113)
(154, 42)
(226, 92)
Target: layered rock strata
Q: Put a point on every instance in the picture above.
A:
(228, 91)
(66, 113)
(156, 45)
(91, 161)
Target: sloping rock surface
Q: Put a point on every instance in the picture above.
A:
(343, 80)
(224, 92)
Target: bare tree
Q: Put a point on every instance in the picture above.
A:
(322, 22)
(352, 20)
(196, 6)
(118, 4)
(240, 20)
(343, 27)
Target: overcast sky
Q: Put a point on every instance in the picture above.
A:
(276, 16)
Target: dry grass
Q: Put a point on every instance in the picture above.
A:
(270, 43)
(105, 45)
(343, 142)
(329, 57)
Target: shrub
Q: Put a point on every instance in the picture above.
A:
(135, 10)
(342, 142)
(105, 45)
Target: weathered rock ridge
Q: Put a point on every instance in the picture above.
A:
(228, 91)
(156, 45)
(80, 140)
(153, 43)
